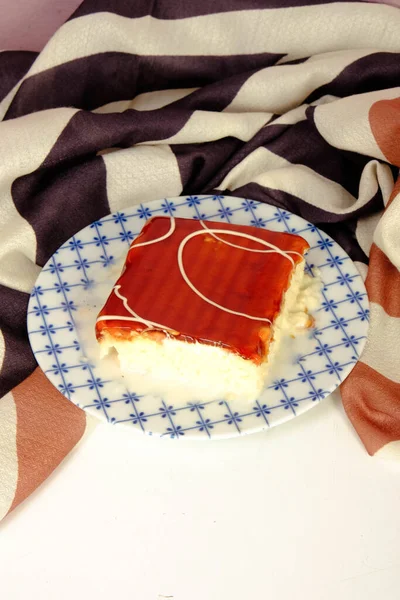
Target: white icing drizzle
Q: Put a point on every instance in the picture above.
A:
(135, 317)
(211, 232)
(235, 234)
(160, 239)
(151, 324)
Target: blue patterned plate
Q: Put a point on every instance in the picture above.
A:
(79, 276)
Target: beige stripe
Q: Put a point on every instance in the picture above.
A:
(382, 350)
(292, 116)
(140, 174)
(279, 89)
(374, 176)
(114, 107)
(387, 236)
(353, 26)
(299, 113)
(365, 231)
(354, 133)
(362, 269)
(24, 144)
(8, 453)
(148, 101)
(205, 126)
(18, 271)
(270, 170)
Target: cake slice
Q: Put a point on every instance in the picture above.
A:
(202, 305)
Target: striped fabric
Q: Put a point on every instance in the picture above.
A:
(291, 102)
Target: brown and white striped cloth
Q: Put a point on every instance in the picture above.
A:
(291, 102)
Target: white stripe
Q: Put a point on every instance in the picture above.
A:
(362, 269)
(221, 34)
(292, 116)
(24, 144)
(141, 174)
(375, 175)
(272, 171)
(18, 270)
(345, 123)
(279, 89)
(118, 106)
(205, 126)
(8, 453)
(382, 350)
(387, 233)
(299, 113)
(365, 231)
(147, 101)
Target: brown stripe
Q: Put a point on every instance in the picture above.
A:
(110, 76)
(383, 282)
(58, 202)
(13, 66)
(48, 427)
(302, 144)
(367, 74)
(201, 163)
(372, 403)
(178, 9)
(384, 119)
(19, 361)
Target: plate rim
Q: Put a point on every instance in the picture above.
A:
(201, 197)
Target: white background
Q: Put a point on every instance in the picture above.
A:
(300, 511)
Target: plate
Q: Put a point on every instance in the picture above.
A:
(78, 277)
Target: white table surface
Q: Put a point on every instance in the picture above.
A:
(300, 511)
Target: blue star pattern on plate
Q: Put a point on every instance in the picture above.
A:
(322, 360)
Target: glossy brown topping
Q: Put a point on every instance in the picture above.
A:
(219, 288)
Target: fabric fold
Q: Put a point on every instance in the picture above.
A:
(291, 103)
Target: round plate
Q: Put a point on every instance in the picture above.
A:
(70, 281)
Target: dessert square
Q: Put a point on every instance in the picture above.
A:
(202, 304)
